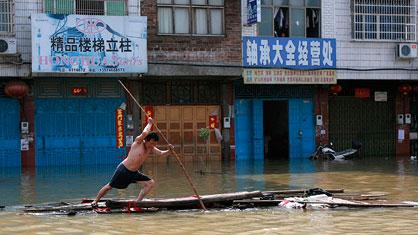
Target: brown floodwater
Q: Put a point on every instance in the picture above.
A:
(398, 178)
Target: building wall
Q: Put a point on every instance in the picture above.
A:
(362, 54)
(209, 50)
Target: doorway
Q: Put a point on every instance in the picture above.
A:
(276, 130)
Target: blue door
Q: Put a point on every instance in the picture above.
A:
(249, 139)
(301, 128)
(9, 133)
(76, 131)
(243, 130)
(258, 131)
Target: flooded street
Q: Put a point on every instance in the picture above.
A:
(398, 178)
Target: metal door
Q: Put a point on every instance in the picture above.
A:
(258, 131)
(301, 128)
(9, 133)
(243, 130)
(76, 131)
(366, 121)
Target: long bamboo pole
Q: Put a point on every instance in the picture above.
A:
(189, 179)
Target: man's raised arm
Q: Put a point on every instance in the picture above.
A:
(145, 132)
(167, 152)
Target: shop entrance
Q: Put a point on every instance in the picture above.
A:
(276, 129)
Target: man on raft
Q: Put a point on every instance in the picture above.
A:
(127, 171)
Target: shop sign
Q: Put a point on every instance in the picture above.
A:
(213, 121)
(120, 132)
(292, 53)
(362, 92)
(89, 44)
(285, 76)
(253, 11)
(380, 96)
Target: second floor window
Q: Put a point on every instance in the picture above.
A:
(6, 16)
(384, 20)
(185, 17)
(290, 18)
(86, 7)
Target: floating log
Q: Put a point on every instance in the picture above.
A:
(212, 201)
(65, 208)
(299, 191)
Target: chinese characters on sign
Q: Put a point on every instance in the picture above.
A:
(293, 53)
(120, 130)
(79, 91)
(89, 44)
(253, 11)
(285, 76)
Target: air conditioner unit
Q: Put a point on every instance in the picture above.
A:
(407, 50)
(7, 46)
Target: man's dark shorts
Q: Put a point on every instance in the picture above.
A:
(123, 177)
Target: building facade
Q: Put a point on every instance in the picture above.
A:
(63, 107)
(372, 100)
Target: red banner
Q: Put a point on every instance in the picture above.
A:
(120, 132)
(149, 110)
(362, 92)
(213, 121)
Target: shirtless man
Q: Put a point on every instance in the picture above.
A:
(127, 171)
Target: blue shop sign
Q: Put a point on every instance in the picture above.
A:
(293, 53)
(253, 11)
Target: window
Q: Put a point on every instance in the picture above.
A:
(197, 17)
(6, 16)
(384, 20)
(86, 7)
(290, 18)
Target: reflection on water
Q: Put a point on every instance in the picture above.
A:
(398, 178)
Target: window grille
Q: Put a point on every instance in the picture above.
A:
(384, 20)
(86, 7)
(6, 16)
(196, 17)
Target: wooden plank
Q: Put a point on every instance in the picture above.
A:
(294, 191)
(185, 202)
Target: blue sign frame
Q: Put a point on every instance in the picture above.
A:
(292, 53)
(253, 11)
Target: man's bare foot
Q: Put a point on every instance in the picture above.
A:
(94, 204)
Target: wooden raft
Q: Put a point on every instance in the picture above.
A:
(238, 200)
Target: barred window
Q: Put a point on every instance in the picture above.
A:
(384, 20)
(290, 18)
(86, 7)
(196, 17)
(6, 16)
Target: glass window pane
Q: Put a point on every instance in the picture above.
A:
(181, 20)
(280, 2)
(65, 7)
(199, 2)
(164, 1)
(216, 2)
(297, 17)
(297, 3)
(313, 3)
(266, 25)
(181, 1)
(216, 20)
(201, 21)
(49, 6)
(266, 2)
(115, 8)
(165, 20)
